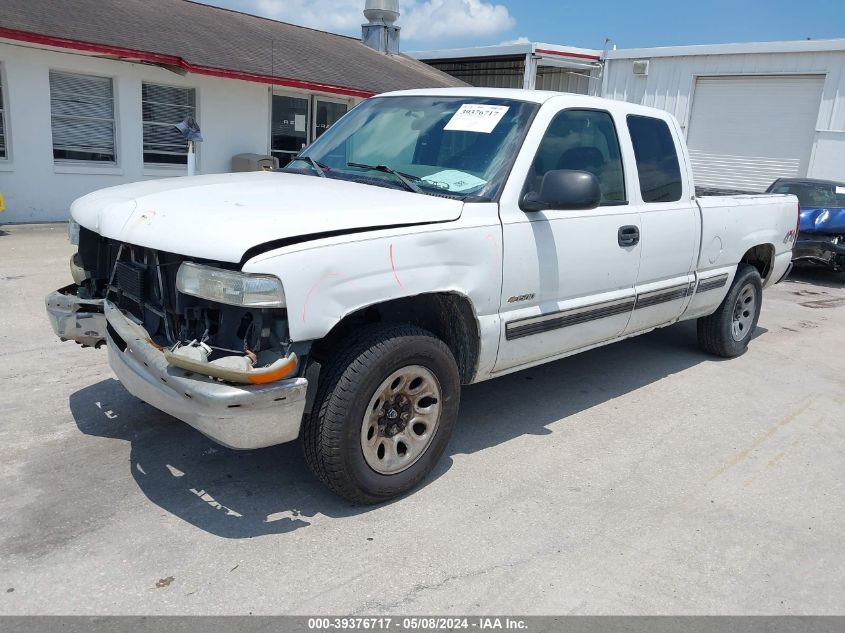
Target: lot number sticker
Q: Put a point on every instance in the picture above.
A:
(474, 117)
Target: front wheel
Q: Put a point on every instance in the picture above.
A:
(384, 411)
(728, 330)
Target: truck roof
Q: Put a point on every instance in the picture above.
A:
(531, 96)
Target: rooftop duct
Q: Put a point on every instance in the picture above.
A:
(380, 33)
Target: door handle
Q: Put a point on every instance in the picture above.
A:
(629, 236)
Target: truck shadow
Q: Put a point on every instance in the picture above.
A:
(245, 494)
(228, 493)
(816, 276)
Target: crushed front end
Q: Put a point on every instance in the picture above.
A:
(208, 345)
(821, 238)
(820, 249)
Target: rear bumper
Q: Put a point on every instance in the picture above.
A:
(781, 267)
(236, 416)
(786, 273)
(75, 319)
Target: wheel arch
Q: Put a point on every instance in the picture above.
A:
(449, 315)
(762, 257)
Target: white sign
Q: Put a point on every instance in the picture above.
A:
(840, 191)
(299, 122)
(454, 180)
(473, 117)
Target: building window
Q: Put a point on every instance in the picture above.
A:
(82, 109)
(163, 107)
(657, 159)
(4, 152)
(289, 127)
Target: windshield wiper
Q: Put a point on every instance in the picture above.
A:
(404, 178)
(317, 166)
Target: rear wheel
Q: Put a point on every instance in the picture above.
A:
(384, 411)
(729, 329)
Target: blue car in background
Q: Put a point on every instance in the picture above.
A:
(821, 236)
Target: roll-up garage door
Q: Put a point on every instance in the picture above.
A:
(745, 132)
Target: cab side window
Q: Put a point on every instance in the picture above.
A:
(657, 159)
(582, 140)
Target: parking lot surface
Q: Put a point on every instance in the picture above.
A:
(643, 477)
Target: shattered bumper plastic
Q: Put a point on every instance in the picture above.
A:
(75, 319)
(281, 368)
(820, 249)
(236, 416)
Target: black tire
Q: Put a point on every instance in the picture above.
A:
(716, 331)
(331, 434)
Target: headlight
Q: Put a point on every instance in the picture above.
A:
(230, 286)
(73, 232)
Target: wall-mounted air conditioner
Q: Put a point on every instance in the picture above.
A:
(641, 67)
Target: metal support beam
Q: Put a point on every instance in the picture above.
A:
(529, 80)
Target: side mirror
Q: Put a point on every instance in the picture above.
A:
(564, 189)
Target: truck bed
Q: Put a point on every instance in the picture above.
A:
(702, 192)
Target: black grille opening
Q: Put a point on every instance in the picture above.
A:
(121, 344)
(130, 278)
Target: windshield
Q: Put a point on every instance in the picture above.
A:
(453, 146)
(812, 196)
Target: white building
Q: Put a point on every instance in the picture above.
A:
(89, 92)
(751, 112)
(531, 66)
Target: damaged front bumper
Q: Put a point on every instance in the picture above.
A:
(236, 416)
(75, 319)
(823, 250)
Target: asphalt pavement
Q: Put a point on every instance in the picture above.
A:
(643, 477)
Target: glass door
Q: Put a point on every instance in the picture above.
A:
(289, 126)
(326, 113)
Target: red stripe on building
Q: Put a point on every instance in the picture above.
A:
(172, 60)
(544, 51)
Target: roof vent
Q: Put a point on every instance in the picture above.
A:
(380, 33)
(381, 11)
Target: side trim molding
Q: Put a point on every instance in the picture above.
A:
(576, 316)
(566, 318)
(712, 283)
(664, 295)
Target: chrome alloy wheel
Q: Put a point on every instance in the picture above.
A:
(744, 310)
(401, 420)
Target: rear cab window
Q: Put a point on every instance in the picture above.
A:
(657, 159)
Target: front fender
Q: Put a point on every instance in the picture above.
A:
(328, 279)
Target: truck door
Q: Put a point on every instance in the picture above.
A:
(569, 276)
(671, 223)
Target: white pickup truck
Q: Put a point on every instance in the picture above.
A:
(429, 239)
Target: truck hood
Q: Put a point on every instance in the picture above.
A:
(220, 217)
(830, 220)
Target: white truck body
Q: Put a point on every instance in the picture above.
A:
(540, 285)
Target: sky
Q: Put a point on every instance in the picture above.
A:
(431, 24)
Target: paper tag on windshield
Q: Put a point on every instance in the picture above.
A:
(476, 118)
(454, 180)
(840, 191)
